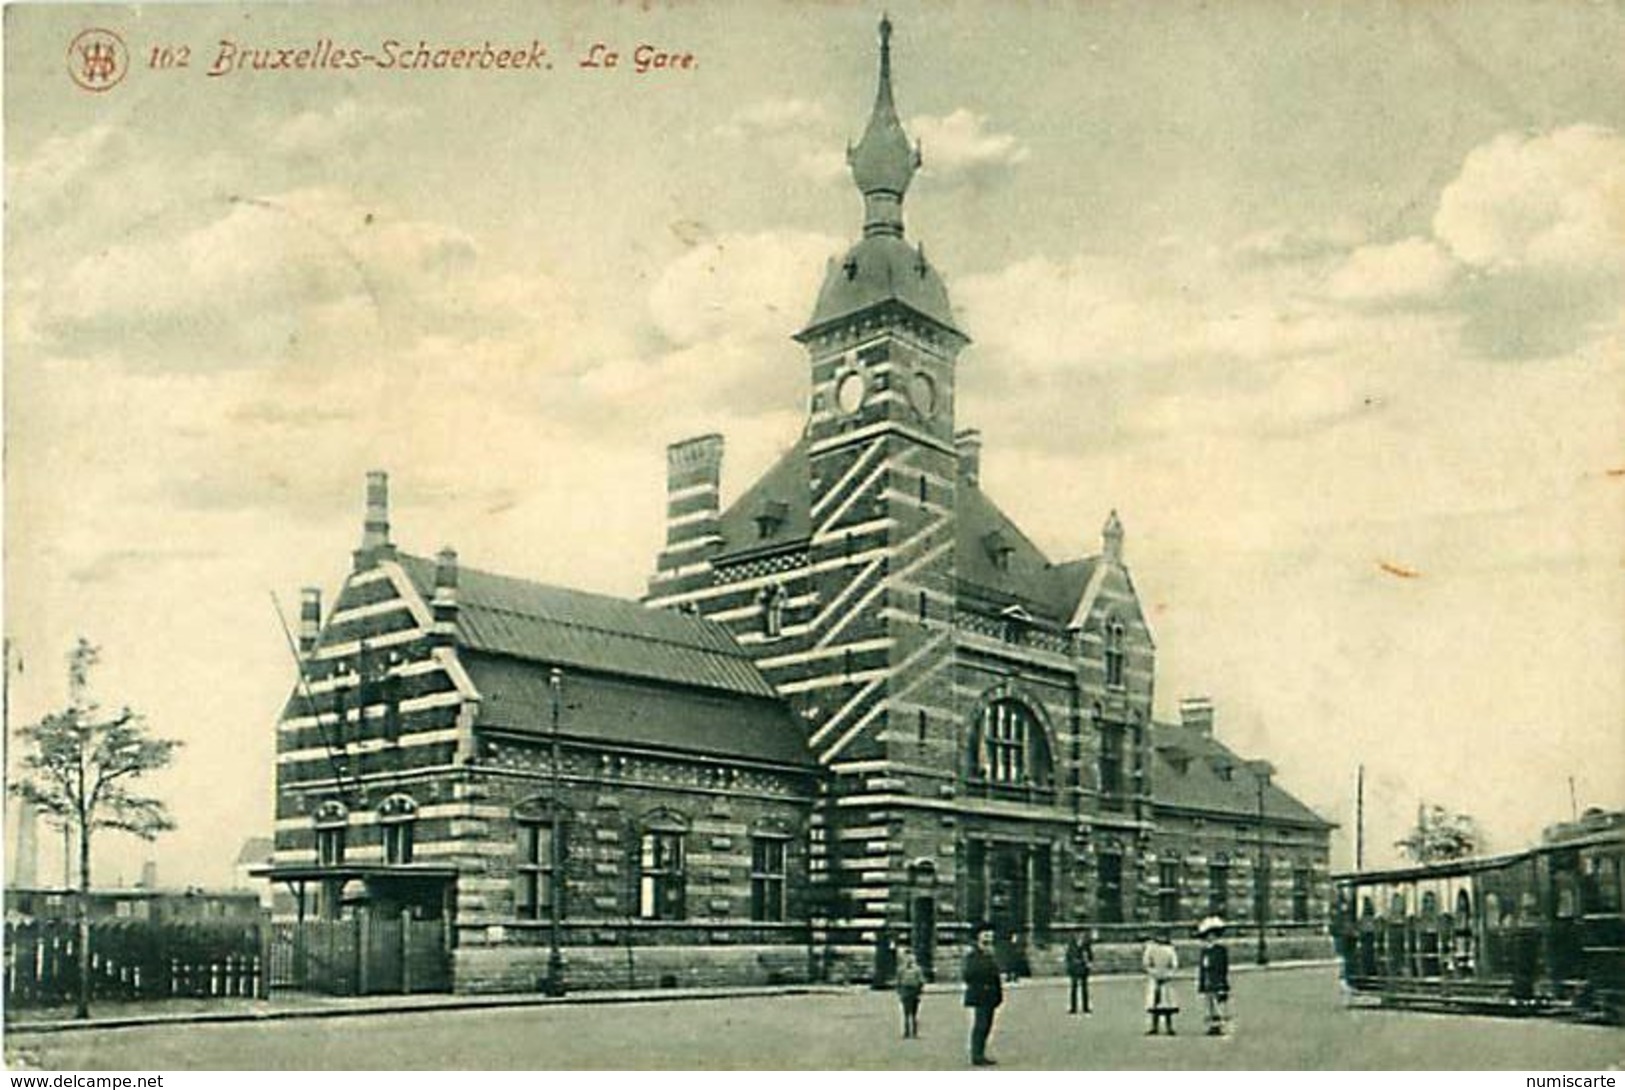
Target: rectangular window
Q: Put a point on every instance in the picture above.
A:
(1300, 895)
(397, 841)
(1218, 888)
(1111, 766)
(767, 879)
(1109, 888)
(330, 846)
(975, 881)
(1043, 894)
(533, 876)
(660, 876)
(1168, 890)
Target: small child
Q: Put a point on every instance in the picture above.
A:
(1213, 975)
(910, 984)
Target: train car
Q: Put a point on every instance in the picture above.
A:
(1535, 931)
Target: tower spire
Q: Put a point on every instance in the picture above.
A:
(883, 162)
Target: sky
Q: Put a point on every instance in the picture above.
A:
(1325, 300)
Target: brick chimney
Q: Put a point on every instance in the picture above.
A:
(445, 599)
(968, 446)
(375, 543)
(693, 492)
(1196, 714)
(310, 619)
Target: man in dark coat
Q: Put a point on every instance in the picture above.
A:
(1080, 957)
(1213, 975)
(983, 993)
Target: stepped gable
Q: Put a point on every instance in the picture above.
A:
(684, 683)
(1187, 773)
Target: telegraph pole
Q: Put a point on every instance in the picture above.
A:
(555, 885)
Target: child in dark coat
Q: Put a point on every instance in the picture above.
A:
(910, 985)
(1213, 975)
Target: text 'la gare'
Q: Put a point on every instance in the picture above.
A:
(645, 58)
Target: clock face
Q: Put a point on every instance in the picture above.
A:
(849, 391)
(922, 394)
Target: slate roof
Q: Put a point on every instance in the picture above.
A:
(535, 622)
(1200, 784)
(1049, 591)
(637, 714)
(881, 269)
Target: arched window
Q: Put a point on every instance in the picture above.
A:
(332, 826)
(397, 819)
(1009, 745)
(772, 602)
(1114, 652)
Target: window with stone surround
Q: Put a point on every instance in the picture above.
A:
(332, 821)
(397, 821)
(1114, 653)
(533, 871)
(1009, 745)
(660, 875)
(1300, 894)
(1111, 765)
(1168, 890)
(767, 857)
(1109, 887)
(1218, 887)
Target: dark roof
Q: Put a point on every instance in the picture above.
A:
(1186, 773)
(881, 269)
(571, 628)
(786, 483)
(637, 713)
(256, 849)
(1050, 591)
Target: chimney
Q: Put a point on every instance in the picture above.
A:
(693, 492)
(375, 544)
(25, 868)
(310, 619)
(149, 875)
(1111, 539)
(968, 446)
(1196, 714)
(445, 599)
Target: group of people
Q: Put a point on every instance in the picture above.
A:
(984, 989)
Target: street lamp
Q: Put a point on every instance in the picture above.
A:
(555, 885)
(1261, 886)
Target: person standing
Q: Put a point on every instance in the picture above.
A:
(1080, 956)
(1213, 975)
(983, 993)
(910, 985)
(1160, 962)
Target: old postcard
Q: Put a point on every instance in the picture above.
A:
(868, 538)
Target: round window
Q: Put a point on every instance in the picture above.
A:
(849, 391)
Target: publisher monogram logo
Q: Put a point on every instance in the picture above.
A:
(98, 60)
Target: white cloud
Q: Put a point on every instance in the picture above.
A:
(959, 146)
(1554, 201)
(1413, 271)
(758, 284)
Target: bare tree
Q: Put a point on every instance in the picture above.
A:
(1441, 835)
(79, 768)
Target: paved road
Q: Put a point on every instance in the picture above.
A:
(1289, 1019)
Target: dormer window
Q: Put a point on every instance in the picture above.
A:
(770, 518)
(998, 549)
(1016, 622)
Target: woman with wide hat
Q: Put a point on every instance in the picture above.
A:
(1213, 975)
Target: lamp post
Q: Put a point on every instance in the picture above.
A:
(1261, 883)
(555, 885)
